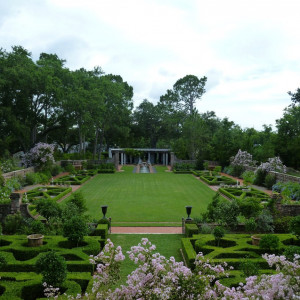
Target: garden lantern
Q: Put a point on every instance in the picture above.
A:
(104, 210)
(188, 211)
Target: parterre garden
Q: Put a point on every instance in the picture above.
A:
(134, 198)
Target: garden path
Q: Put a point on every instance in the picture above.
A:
(144, 230)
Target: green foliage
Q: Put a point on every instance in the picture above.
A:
(250, 207)
(48, 208)
(3, 261)
(184, 167)
(290, 252)
(270, 180)
(269, 242)
(191, 229)
(281, 224)
(2, 180)
(205, 229)
(295, 226)
(218, 233)
(265, 221)
(217, 169)
(105, 221)
(79, 201)
(53, 268)
(32, 178)
(250, 225)
(248, 177)
(55, 169)
(13, 223)
(75, 229)
(227, 213)
(101, 230)
(248, 267)
(260, 177)
(70, 168)
(237, 170)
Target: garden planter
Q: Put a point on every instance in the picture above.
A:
(255, 240)
(35, 240)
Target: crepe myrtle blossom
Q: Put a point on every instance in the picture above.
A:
(242, 158)
(39, 156)
(273, 164)
(159, 278)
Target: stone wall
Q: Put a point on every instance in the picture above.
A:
(21, 173)
(282, 177)
(15, 206)
(288, 209)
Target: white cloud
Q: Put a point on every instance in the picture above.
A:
(249, 50)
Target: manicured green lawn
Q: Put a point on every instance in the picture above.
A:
(159, 197)
(166, 244)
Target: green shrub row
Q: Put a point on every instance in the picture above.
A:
(239, 194)
(36, 192)
(213, 180)
(103, 171)
(188, 252)
(182, 172)
(101, 230)
(191, 229)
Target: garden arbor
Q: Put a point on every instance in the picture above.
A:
(122, 156)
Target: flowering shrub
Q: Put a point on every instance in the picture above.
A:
(40, 156)
(159, 278)
(273, 164)
(242, 158)
(289, 190)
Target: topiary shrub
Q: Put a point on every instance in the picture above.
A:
(70, 168)
(269, 242)
(218, 233)
(53, 268)
(270, 180)
(250, 225)
(295, 226)
(75, 229)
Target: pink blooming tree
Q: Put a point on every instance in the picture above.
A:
(159, 278)
(40, 156)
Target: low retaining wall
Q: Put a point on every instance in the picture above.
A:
(21, 173)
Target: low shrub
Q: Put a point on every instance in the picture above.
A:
(250, 225)
(13, 223)
(260, 177)
(265, 221)
(281, 224)
(32, 178)
(70, 168)
(205, 229)
(55, 170)
(248, 177)
(3, 261)
(269, 242)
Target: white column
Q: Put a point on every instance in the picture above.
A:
(166, 159)
(124, 158)
(121, 158)
(149, 157)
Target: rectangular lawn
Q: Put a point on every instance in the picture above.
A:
(158, 197)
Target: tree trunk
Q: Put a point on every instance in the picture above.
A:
(95, 143)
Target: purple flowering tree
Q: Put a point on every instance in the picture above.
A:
(159, 278)
(242, 158)
(273, 164)
(40, 156)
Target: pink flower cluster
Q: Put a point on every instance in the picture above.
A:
(159, 278)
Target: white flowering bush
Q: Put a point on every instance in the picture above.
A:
(159, 278)
(242, 158)
(273, 164)
(40, 156)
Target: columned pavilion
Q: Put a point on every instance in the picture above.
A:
(121, 156)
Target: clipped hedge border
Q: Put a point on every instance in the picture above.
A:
(101, 230)
(106, 171)
(189, 252)
(191, 229)
(182, 172)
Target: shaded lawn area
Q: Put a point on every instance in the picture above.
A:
(159, 197)
(166, 244)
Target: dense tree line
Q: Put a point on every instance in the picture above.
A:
(44, 101)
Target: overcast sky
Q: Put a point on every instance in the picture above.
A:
(249, 50)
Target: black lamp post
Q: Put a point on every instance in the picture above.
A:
(104, 210)
(188, 211)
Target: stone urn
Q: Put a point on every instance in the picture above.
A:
(255, 240)
(35, 240)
